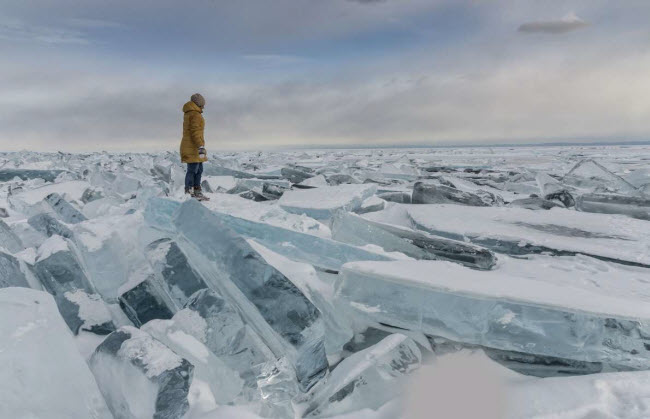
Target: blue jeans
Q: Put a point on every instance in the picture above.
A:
(193, 175)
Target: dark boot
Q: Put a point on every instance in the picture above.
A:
(189, 191)
(198, 194)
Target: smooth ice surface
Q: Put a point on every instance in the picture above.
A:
(321, 203)
(280, 313)
(569, 307)
(105, 253)
(520, 231)
(43, 375)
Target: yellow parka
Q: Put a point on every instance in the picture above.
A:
(193, 125)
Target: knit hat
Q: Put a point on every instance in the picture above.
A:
(198, 100)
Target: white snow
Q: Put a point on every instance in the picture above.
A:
(92, 308)
(155, 357)
(51, 246)
(322, 202)
(269, 214)
(191, 344)
(316, 181)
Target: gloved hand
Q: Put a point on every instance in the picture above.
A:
(202, 152)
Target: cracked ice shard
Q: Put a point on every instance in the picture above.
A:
(175, 273)
(224, 382)
(67, 212)
(368, 378)
(285, 319)
(8, 239)
(592, 176)
(356, 230)
(140, 377)
(143, 301)
(439, 194)
(11, 275)
(220, 326)
(321, 252)
(48, 225)
(58, 268)
(634, 207)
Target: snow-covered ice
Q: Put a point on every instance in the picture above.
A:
(327, 283)
(42, 375)
(321, 203)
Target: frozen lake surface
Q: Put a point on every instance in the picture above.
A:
(361, 283)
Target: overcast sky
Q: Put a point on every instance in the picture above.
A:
(113, 75)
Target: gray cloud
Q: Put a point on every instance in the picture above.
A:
(367, 1)
(495, 104)
(275, 88)
(243, 25)
(17, 30)
(567, 24)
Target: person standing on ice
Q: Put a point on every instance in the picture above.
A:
(193, 145)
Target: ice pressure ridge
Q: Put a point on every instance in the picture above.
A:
(317, 283)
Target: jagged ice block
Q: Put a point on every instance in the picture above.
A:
(285, 319)
(576, 308)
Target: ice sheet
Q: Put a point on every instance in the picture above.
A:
(569, 307)
(512, 229)
(321, 203)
